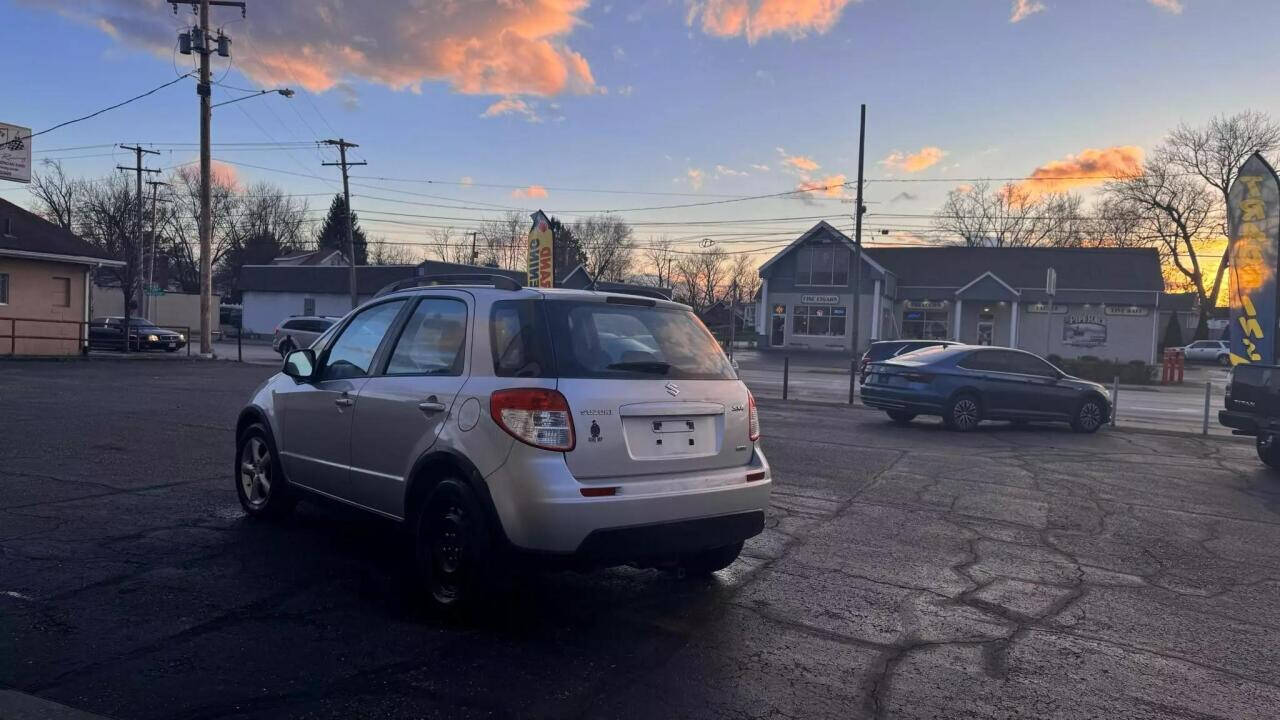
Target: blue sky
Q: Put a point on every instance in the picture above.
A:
(647, 96)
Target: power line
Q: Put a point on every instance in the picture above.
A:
(106, 109)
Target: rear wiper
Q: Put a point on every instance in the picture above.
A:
(655, 367)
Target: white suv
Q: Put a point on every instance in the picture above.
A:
(506, 423)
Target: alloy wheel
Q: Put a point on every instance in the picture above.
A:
(1090, 416)
(964, 414)
(255, 472)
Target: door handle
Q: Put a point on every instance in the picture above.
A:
(344, 402)
(430, 405)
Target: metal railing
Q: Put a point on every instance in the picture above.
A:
(80, 343)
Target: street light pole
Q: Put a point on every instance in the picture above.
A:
(857, 235)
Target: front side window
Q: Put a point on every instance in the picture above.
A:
(820, 320)
(351, 355)
(1030, 365)
(608, 340)
(432, 340)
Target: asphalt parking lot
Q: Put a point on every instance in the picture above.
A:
(905, 573)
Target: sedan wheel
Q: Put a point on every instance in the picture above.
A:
(964, 414)
(1089, 417)
(259, 482)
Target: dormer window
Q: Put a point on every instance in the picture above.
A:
(825, 264)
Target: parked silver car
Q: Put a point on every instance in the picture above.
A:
(299, 331)
(507, 424)
(1215, 351)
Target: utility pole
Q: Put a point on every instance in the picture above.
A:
(473, 247)
(857, 235)
(138, 152)
(200, 41)
(151, 267)
(342, 146)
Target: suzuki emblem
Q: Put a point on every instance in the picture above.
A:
(673, 389)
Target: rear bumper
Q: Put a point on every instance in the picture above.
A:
(1245, 423)
(542, 509)
(902, 400)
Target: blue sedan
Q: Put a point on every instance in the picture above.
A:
(966, 384)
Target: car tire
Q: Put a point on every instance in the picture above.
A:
(1089, 416)
(964, 413)
(1268, 450)
(900, 417)
(260, 482)
(705, 562)
(453, 547)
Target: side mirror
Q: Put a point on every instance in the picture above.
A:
(300, 364)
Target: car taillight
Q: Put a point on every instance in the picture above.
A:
(918, 377)
(534, 416)
(753, 424)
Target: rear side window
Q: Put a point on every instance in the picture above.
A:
(608, 340)
(431, 343)
(519, 341)
(985, 360)
(292, 325)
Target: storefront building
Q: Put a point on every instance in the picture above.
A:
(1106, 302)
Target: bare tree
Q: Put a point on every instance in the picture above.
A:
(1010, 216)
(1113, 222)
(447, 245)
(1175, 213)
(504, 242)
(744, 278)
(106, 218)
(387, 252)
(1215, 152)
(661, 258)
(608, 243)
(182, 231)
(701, 279)
(57, 196)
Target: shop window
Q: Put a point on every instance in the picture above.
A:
(4, 288)
(925, 324)
(820, 320)
(822, 265)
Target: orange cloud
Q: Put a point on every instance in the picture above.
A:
(914, 162)
(803, 163)
(1089, 167)
(533, 191)
(831, 186)
(223, 174)
(695, 178)
(1173, 6)
(755, 19)
(1023, 9)
(508, 106)
(498, 47)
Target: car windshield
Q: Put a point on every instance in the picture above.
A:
(615, 340)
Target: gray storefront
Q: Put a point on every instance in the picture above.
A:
(1106, 305)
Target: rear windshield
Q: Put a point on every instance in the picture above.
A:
(921, 353)
(608, 340)
(880, 351)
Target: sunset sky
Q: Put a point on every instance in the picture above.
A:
(550, 103)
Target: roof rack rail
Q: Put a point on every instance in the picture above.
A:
(501, 282)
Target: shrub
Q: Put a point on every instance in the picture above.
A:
(1134, 372)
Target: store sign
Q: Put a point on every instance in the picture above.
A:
(926, 304)
(1253, 224)
(819, 299)
(1044, 307)
(1084, 330)
(1126, 310)
(15, 153)
(541, 266)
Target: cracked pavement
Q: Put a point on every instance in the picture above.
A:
(904, 573)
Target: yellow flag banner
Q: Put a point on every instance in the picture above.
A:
(541, 247)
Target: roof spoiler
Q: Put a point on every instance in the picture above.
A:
(640, 291)
(501, 282)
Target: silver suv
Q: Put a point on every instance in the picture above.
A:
(503, 424)
(300, 331)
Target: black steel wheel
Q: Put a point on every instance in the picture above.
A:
(453, 546)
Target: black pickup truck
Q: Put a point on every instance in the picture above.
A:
(1253, 408)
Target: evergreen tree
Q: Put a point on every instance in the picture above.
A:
(333, 233)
